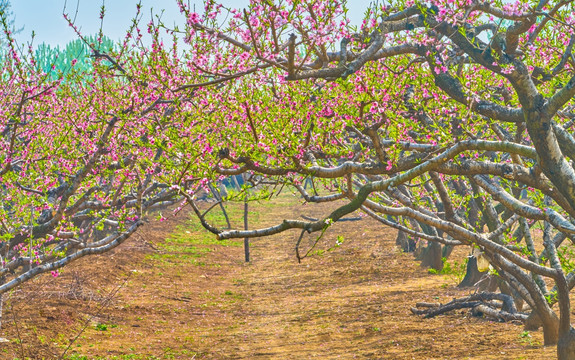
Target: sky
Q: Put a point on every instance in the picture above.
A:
(44, 17)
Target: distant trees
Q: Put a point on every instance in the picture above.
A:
(76, 55)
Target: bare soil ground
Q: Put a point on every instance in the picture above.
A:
(174, 292)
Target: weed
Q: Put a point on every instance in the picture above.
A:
(104, 327)
(526, 338)
(455, 271)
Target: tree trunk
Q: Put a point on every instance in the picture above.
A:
(220, 201)
(550, 327)
(2, 281)
(506, 289)
(566, 346)
(405, 242)
(472, 274)
(432, 256)
(533, 322)
(446, 250)
(566, 343)
(246, 240)
(551, 330)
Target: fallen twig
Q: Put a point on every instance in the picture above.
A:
(495, 305)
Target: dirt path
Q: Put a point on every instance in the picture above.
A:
(181, 295)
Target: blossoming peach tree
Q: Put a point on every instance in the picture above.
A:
(449, 120)
(79, 162)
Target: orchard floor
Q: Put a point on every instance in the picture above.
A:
(173, 292)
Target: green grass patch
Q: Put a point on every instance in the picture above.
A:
(168, 354)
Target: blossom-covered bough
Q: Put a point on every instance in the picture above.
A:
(79, 167)
(449, 120)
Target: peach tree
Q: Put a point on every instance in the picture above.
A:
(79, 169)
(449, 120)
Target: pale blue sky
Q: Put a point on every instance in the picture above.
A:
(44, 17)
